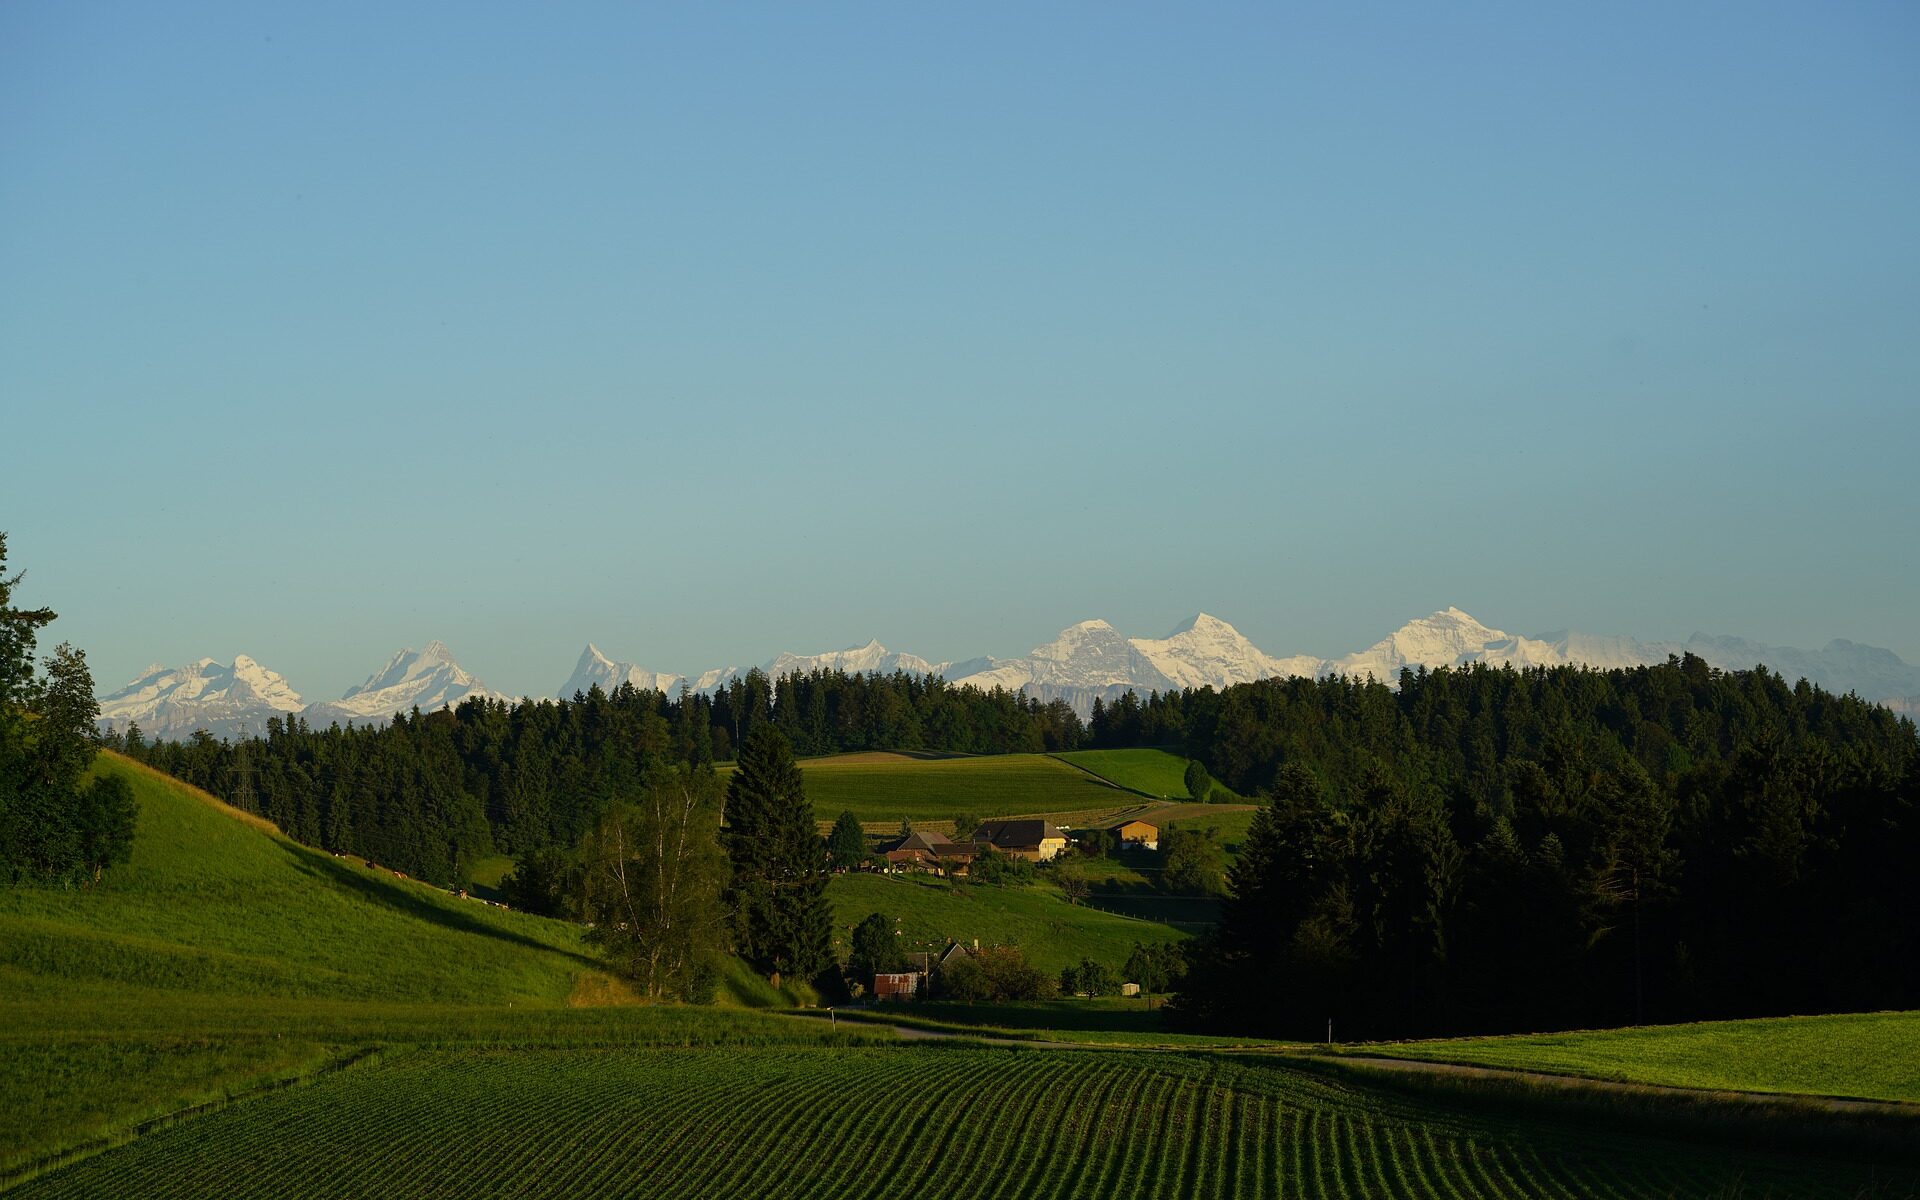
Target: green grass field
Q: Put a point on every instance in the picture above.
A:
(858, 1121)
(1154, 773)
(1867, 1056)
(883, 788)
(1038, 919)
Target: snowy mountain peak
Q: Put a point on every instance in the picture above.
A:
(424, 679)
(1085, 658)
(224, 700)
(595, 667)
(855, 660)
(1208, 652)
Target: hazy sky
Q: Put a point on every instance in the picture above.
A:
(706, 331)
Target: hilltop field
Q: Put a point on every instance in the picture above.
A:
(1082, 788)
(233, 1015)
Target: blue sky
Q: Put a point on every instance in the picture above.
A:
(708, 331)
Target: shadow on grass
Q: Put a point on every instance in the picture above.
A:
(398, 896)
(1082, 1016)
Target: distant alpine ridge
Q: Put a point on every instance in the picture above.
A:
(237, 701)
(1088, 661)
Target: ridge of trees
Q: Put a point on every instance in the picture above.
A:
(1497, 850)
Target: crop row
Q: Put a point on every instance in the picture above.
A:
(880, 1121)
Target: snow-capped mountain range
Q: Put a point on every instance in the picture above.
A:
(237, 701)
(226, 701)
(1087, 661)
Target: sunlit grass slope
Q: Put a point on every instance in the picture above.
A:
(1038, 919)
(214, 901)
(1868, 1056)
(1155, 773)
(881, 787)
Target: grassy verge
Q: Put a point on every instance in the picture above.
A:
(1867, 1056)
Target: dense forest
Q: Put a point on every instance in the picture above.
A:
(1484, 850)
(430, 792)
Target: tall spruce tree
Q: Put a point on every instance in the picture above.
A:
(778, 893)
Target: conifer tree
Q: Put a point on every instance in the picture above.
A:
(782, 923)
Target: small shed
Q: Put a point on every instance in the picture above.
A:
(1129, 989)
(895, 985)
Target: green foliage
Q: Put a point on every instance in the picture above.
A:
(1192, 862)
(996, 974)
(1088, 978)
(876, 948)
(1097, 843)
(651, 884)
(847, 844)
(56, 826)
(1156, 967)
(545, 882)
(964, 823)
(1487, 850)
(995, 869)
(1070, 877)
(781, 920)
(1199, 783)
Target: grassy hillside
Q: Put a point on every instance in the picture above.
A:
(1154, 773)
(1051, 932)
(882, 788)
(1867, 1056)
(215, 901)
(224, 957)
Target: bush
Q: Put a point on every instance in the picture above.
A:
(995, 868)
(999, 973)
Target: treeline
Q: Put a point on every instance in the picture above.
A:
(1498, 849)
(430, 792)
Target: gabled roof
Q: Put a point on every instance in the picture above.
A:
(933, 843)
(1023, 833)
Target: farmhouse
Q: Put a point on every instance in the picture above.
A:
(1031, 838)
(918, 851)
(1138, 833)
